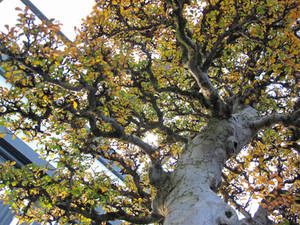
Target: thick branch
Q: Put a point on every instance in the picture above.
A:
(260, 218)
(194, 63)
(267, 121)
(119, 133)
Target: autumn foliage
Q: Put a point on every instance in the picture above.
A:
(123, 91)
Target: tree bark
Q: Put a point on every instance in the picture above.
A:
(260, 218)
(188, 195)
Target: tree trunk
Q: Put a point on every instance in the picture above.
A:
(190, 197)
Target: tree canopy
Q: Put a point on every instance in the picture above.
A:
(142, 78)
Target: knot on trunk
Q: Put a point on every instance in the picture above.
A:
(157, 176)
(231, 146)
(227, 218)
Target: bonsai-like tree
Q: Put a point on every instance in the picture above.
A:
(196, 102)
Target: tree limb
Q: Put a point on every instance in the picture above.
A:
(269, 120)
(194, 63)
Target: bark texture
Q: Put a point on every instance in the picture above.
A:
(260, 218)
(188, 194)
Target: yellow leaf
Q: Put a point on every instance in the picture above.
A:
(75, 104)
(103, 189)
(271, 182)
(2, 135)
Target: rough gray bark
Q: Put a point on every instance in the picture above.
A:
(260, 218)
(187, 196)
